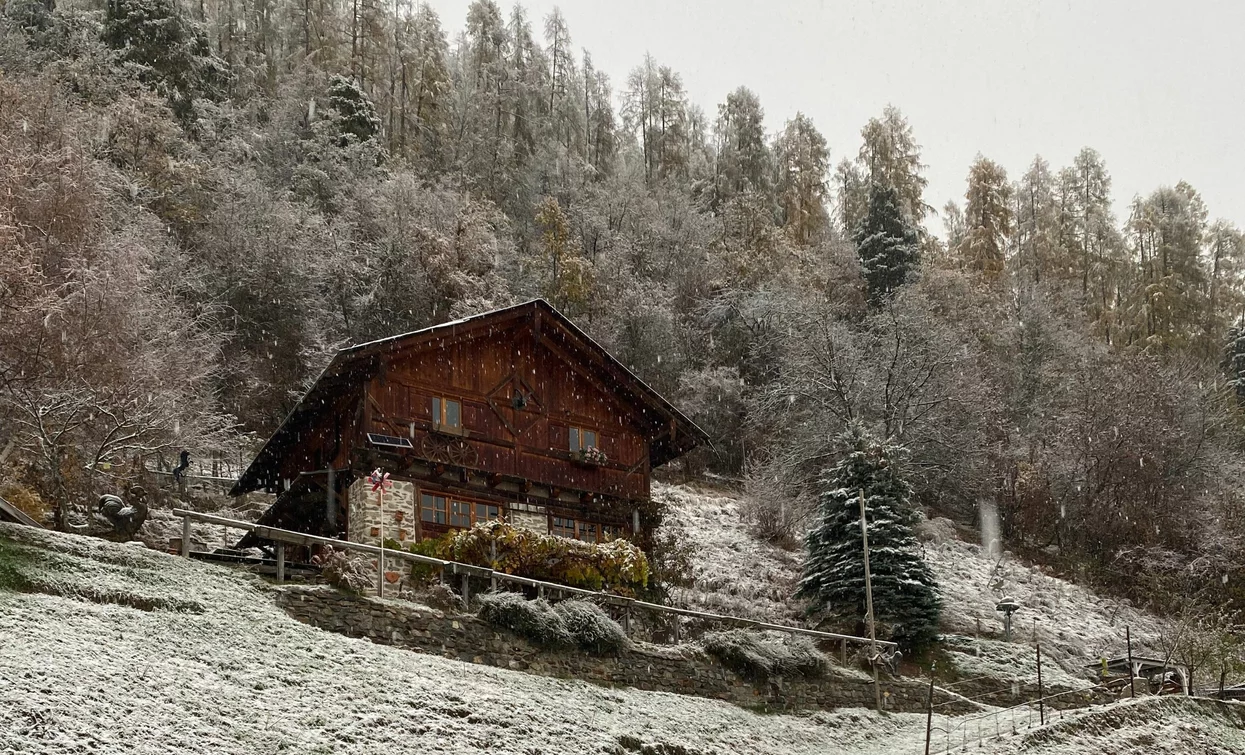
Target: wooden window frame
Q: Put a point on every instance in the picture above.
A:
(439, 408)
(574, 529)
(559, 524)
(473, 510)
(575, 438)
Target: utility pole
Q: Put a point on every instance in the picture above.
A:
(873, 640)
(929, 708)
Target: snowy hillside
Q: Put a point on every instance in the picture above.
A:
(216, 667)
(114, 649)
(1156, 726)
(737, 574)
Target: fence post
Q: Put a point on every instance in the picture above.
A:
(843, 653)
(627, 620)
(1041, 693)
(466, 590)
(186, 537)
(280, 562)
(1132, 685)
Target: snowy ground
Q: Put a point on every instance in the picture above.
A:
(1156, 726)
(735, 573)
(1075, 626)
(213, 666)
(232, 673)
(739, 575)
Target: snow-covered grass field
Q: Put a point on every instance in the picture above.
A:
(231, 673)
(212, 665)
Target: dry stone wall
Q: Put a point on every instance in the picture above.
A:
(682, 670)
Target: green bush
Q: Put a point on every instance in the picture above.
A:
(617, 566)
(592, 628)
(534, 620)
(759, 657)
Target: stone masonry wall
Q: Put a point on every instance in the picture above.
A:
(681, 670)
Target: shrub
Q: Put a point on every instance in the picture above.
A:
(343, 571)
(759, 657)
(534, 620)
(617, 566)
(593, 629)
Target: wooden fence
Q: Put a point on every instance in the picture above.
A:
(467, 571)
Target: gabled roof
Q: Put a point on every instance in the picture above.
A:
(11, 513)
(357, 363)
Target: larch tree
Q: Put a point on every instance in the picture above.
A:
(599, 122)
(425, 81)
(1225, 247)
(743, 158)
(851, 195)
(906, 603)
(988, 220)
(1037, 222)
(890, 156)
(1167, 229)
(803, 164)
(886, 244)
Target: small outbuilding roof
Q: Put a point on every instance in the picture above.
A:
(11, 513)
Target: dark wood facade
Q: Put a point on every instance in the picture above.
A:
(513, 413)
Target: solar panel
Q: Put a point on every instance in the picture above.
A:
(393, 441)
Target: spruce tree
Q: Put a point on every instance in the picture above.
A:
(1233, 363)
(886, 243)
(905, 597)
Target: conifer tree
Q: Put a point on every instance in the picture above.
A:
(906, 604)
(886, 244)
(1233, 363)
(989, 217)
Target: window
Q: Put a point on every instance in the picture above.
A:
(432, 509)
(587, 532)
(581, 439)
(439, 509)
(563, 527)
(446, 412)
(611, 532)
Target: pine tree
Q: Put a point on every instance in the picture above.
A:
(906, 603)
(886, 244)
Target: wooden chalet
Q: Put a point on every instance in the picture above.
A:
(513, 414)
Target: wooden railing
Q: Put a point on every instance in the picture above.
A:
(467, 571)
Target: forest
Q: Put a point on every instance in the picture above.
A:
(200, 202)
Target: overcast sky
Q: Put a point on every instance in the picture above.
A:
(1155, 87)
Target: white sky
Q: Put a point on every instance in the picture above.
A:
(1155, 87)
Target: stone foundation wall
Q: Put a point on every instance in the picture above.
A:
(682, 670)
